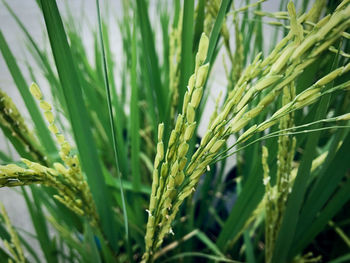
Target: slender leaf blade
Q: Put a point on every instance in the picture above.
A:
(43, 132)
(79, 118)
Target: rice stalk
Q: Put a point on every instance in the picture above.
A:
(73, 190)
(241, 209)
(276, 71)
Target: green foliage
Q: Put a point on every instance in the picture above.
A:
(142, 139)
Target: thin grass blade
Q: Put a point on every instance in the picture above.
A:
(43, 132)
(79, 118)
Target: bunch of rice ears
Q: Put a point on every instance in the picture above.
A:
(283, 115)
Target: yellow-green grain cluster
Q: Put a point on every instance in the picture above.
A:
(168, 174)
(67, 179)
(12, 120)
(284, 64)
(175, 179)
(276, 197)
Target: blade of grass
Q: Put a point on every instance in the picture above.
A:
(185, 238)
(164, 22)
(123, 147)
(72, 242)
(41, 58)
(98, 100)
(249, 251)
(147, 162)
(247, 39)
(98, 59)
(109, 55)
(4, 256)
(28, 248)
(251, 195)
(4, 157)
(199, 23)
(251, 155)
(247, 201)
(135, 117)
(113, 127)
(323, 183)
(290, 218)
(199, 255)
(57, 210)
(148, 93)
(79, 117)
(106, 252)
(134, 129)
(337, 168)
(259, 33)
(186, 64)
(119, 104)
(210, 244)
(295, 199)
(344, 258)
(176, 12)
(128, 186)
(334, 206)
(151, 59)
(16, 143)
(40, 226)
(90, 244)
(322, 189)
(43, 132)
(3, 232)
(214, 36)
(205, 198)
(4, 235)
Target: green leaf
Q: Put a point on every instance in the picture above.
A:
(90, 244)
(4, 157)
(210, 244)
(72, 242)
(129, 186)
(310, 224)
(344, 258)
(333, 207)
(135, 117)
(291, 215)
(4, 256)
(199, 255)
(72, 91)
(214, 36)
(113, 127)
(252, 193)
(16, 143)
(186, 64)
(43, 132)
(151, 59)
(41, 58)
(199, 23)
(39, 222)
(28, 248)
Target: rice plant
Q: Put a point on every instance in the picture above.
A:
(140, 158)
